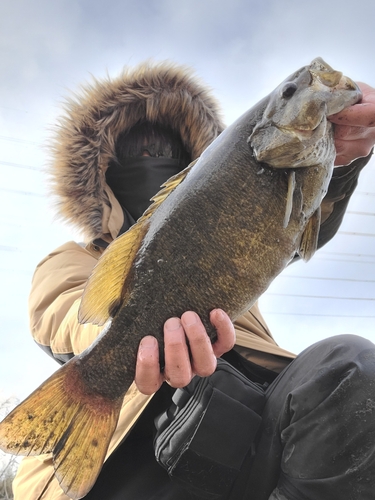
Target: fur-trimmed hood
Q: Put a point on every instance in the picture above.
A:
(85, 140)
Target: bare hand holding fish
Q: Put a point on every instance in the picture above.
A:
(355, 128)
(181, 362)
(257, 190)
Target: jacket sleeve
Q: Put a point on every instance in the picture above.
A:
(343, 183)
(57, 287)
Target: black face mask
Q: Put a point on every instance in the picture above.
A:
(138, 179)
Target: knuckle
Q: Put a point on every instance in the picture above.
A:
(196, 334)
(174, 346)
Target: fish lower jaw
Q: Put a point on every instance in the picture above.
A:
(305, 133)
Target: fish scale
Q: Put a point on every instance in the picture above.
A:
(215, 237)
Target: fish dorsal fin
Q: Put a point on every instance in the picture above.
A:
(166, 189)
(104, 291)
(309, 240)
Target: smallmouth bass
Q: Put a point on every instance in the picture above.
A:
(216, 236)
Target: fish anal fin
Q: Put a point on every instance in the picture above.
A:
(105, 287)
(104, 291)
(62, 417)
(309, 240)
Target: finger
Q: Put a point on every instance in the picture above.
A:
(178, 369)
(361, 114)
(347, 151)
(358, 115)
(203, 360)
(147, 372)
(366, 89)
(349, 133)
(226, 335)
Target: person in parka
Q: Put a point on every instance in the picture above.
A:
(119, 140)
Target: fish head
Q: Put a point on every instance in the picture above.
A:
(293, 130)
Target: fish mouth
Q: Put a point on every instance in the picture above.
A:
(323, 72)
(331, 78)
(306, 133)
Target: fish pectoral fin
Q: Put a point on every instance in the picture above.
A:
(105, 290)
(309, 240)
(64, 418)
(289, 197)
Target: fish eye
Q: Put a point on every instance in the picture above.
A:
(288, 90)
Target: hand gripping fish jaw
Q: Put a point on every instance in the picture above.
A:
(216, 235)
(294, 130)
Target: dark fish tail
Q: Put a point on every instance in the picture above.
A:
(64, 418)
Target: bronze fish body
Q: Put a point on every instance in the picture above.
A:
(215, 236)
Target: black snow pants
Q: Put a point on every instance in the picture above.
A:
(317, 440)
(318, 433)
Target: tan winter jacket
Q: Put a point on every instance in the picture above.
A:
(84, 146)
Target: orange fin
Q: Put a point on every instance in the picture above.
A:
(62, 417)
(104, 291)
(309, 240)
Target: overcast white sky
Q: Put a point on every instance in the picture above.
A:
(242, 49)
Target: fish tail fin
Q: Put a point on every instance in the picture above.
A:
(64, 418)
